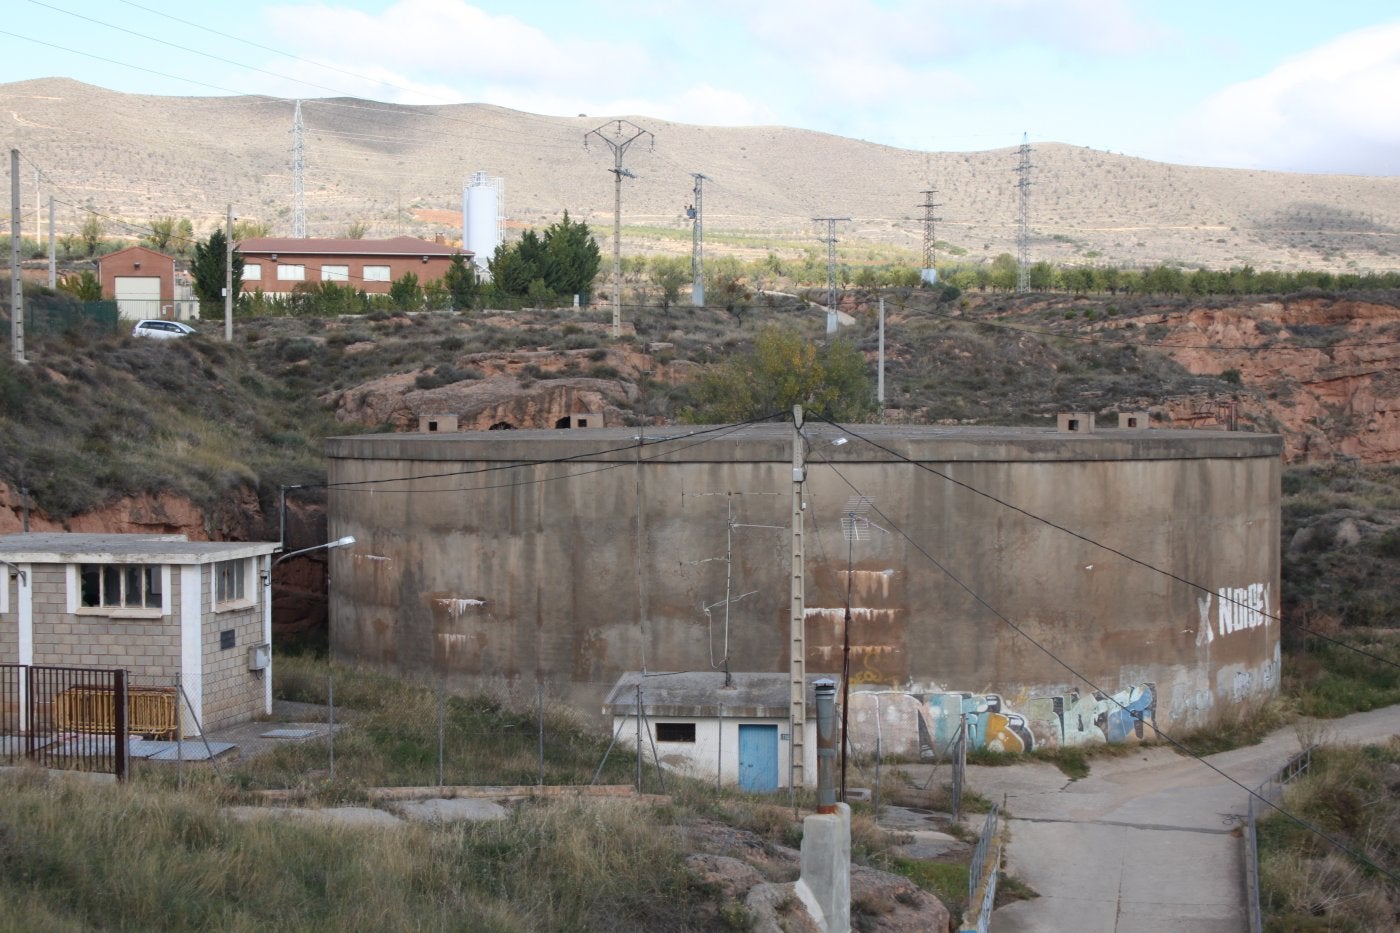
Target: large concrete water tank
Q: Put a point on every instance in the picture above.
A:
(481, 217)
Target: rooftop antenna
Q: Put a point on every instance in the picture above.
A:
(298, 177)
(830, 241)
(1023, 234)
(624, 134)
(696, 212)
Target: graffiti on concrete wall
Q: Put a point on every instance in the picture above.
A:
(926, 724)
(1236, 609)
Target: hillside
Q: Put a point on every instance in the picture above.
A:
(401, 169)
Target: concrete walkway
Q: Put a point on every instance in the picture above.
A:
(1146, 843)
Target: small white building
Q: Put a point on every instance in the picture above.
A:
(735, 734)
(160, 607)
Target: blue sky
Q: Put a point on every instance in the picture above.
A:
(1285, 85)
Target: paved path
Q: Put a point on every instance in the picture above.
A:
(1146, 842)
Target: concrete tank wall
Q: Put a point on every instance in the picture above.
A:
(525, 555)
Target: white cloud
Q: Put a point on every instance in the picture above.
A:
(1329, 109)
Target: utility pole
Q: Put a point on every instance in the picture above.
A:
(228, 277)
(1023, 235)
(38, 219)
(16, 283)
(697, 242)
(880, 377)
(624, 134)
(298, 177)
(797, 621)
(830, 241)
(53, 254)
(928, 274)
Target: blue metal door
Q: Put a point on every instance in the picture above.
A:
(758, 757)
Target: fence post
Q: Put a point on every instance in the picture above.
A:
(330, 724)
(120, 747)
(179, 735)
(442, 716)
(539, 689)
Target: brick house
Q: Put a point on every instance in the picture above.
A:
(157, 606)
(276, 265)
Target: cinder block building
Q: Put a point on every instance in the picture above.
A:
(165, 609)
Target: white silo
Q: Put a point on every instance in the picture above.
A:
(481, 218)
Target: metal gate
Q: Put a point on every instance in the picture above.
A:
(69, 718)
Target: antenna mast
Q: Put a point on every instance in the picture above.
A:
(624, 134)
(298, 177)
(1023, 235)
(697, 242)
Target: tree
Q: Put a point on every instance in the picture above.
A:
(208, 268)
(184, 237)
(404, 293)
(249, 230)
(461, 283)
(93, 229)
(669, 273)
(514, 267)
(83, 286)
(571, 257)
(356, 231)
(1004, 272)
(162, 232)
(785, 368)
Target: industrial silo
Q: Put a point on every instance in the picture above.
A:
(481, 218)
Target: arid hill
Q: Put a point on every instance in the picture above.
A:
(401, 169)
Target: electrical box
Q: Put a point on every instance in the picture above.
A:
(260, 657)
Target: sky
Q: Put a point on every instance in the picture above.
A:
(1289, 85)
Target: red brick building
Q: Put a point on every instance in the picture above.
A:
(277, 265)
(142, 281)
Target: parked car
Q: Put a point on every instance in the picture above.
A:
(161, 330)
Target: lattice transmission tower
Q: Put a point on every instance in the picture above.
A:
(830, 241)
(298, 177)
(1023, 234)
(928, 273)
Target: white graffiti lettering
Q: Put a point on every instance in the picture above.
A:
(1243, 607)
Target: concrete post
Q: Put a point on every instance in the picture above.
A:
(825, 885)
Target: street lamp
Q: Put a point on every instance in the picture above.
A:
(17, 572)
(338, 542)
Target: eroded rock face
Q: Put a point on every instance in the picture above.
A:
(163, 513)
(1322, 372)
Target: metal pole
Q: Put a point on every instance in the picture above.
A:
(16, 280)
(639, 739)
(442, 716)
(179, 737)
(719, 757)
(846, 662)
(617, 252)
(826, 744)
(228, 277)
(539, 688)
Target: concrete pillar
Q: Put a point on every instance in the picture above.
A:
(825, 885)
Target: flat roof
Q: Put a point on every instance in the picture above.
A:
(57, 547)
(754, 695)
(773, 442)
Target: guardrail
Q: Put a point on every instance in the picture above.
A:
(1271, 790)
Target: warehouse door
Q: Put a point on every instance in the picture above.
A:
(138, 296)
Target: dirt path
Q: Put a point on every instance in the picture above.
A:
(1146, 843)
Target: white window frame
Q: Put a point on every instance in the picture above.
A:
(245, 592)
(335, 273)
(74, 594)
(252, 272)
(291, 272)
(378, 274)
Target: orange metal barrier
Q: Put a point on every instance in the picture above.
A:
(150, 711)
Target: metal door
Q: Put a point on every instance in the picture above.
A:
(758, 757)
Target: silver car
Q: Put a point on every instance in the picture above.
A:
(161, 330)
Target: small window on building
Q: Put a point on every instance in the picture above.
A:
(675, 732)
(291, 272)
(120, 586)
(377, 274)
(335, 273)
(230, 581)
(252, 272)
